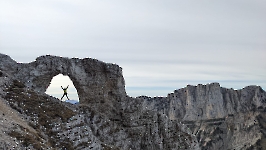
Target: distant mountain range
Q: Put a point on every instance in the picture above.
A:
(72, 101)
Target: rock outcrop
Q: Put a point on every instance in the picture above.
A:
(221, 118)
(194, 117)
(94, 80)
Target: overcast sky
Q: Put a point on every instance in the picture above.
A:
(162, 45)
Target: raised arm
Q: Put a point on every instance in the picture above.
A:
(67, 86)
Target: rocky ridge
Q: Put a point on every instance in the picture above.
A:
(194, 117)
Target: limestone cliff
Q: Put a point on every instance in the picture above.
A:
(194, 117)
(221, 118)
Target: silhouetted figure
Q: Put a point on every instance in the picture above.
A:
(65, 92)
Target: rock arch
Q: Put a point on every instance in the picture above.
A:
(54, 88)
(93, 79)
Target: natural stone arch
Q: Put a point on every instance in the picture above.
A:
(95, 81)
(54, 88)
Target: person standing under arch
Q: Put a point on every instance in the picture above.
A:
(65, 92)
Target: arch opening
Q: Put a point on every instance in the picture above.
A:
(54, 89)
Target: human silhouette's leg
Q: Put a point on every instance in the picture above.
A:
(67, 97)
(63, 96)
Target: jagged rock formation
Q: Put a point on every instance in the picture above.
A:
(220, 118)
(194, 117)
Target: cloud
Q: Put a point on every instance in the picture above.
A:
(155, 42)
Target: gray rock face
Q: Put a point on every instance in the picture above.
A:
(94, 80)
(212, 101)
(194, 117)
(220, 118)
